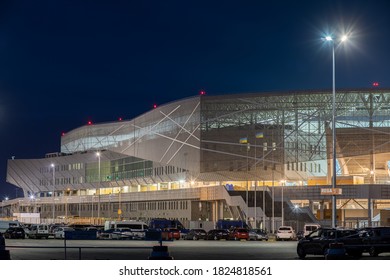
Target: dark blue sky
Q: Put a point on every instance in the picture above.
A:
(63, 63)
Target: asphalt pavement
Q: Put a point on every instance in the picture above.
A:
(52, 249)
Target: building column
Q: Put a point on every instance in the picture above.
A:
(311, 206)
(221, 207)
(370, 210)
(322, 210)
(213, 210)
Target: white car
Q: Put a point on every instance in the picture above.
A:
(309, 228)
(121, 233)
(286, 233)
(60, 232)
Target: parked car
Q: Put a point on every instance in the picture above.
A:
(239, 234)
(376, 240)
(98, 230)
(286, 233)
(171, 233)
(121, 233)
(258, 234)
(38, 231)
(217, 234)
(59, 232)
(52, 227)
(318, 242)
(309, 228)
(196, 234)
(14, 232)
(106, 234)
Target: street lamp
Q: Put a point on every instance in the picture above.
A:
(32, 200)
(264, 150)
(80, 206)
(92, 201)
(282, 182)
(98, 155)
(2, 205)
(248, 147)
(273, 186)
(66, 207)
(110, 210)
(331, 40)
(296, 210)
(244, 140)
(53, 184)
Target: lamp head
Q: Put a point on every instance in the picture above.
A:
(344, 38)
(328, 38)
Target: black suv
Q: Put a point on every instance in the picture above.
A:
(217, 234)
(376, 240)
(14, 232)
(317, 242)
(195, 234)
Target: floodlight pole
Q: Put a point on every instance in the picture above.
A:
(53, 194)
(98, 214)
(334, 160)
(247, 181)
(334, 172)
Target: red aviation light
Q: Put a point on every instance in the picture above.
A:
(120, 119)
(375, 84)
(154, 106)
(202, 92)
(89, 122)
(62, 133)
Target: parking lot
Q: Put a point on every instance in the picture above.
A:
(42, 249)
(137, 249)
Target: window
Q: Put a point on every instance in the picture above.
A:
(316, 233)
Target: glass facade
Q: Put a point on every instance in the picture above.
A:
(288, 135)
(120, 169)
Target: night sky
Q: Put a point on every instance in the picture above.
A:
(63, 63)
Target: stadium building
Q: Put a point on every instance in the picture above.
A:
(261, 157)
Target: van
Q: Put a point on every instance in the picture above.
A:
(38, 231)
(230, 224)
(136, 228)
(309, 228)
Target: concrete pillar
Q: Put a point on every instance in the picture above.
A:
(322, 206)
(221, 206)
(311, 206)
(369, 213)
(213, 211)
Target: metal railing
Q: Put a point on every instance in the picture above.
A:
(80, 248)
